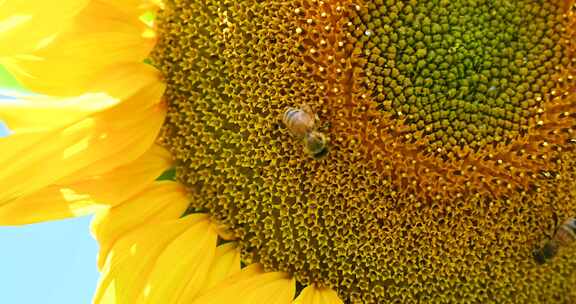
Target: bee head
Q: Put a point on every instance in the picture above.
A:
(538, 256)
(321, 153)
(545, 253)
(316, 144)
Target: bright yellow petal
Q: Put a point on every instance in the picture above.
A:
(159, 202)
(224, 232)
(68, 68)
(33, 113)
(103, 35)
(156, 158)
(111, 16)
(251, 286)
(140, 88)
(125, 79)
(133, 7)
(25, 24)
(133, 257)
(30, 113)
(226, 263)
(317, 295)
(62, 152)
(85, 194)
(183, 266)
(31, 161)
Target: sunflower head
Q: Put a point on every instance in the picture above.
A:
(451, 126)
(391, 151)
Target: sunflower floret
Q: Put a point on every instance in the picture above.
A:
(451, 127)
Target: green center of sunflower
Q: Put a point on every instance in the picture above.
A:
(451, 127)
(461, 73)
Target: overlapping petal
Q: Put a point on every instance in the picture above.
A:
(251, 286)
(226, 263)
(154, 264)
(34, 113)
(26, 24)
(101, 35)
(314, 294)
(177, 261)
(183, 265)
(159, 202)
(68, 146)
(83, 195)
(128, 265)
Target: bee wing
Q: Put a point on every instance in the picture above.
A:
(315, 118)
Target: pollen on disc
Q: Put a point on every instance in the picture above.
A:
(451, 128)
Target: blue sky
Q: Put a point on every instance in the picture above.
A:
(46, 263)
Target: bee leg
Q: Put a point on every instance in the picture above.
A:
(325, 126)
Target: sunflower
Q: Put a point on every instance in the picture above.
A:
(449, 161)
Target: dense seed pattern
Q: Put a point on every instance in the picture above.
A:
(451, 126)
(466, 79)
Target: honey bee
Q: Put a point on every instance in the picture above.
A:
(301, 123)
(564, 236)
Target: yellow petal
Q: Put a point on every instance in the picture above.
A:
(138, 86)
(116, 136)
(68, 67)
(133, 7)
(25, 24)
(62, 152)
(29, 113)
(103, 35)
(123, 80)
(152, 161)
(251, 286)
(183, 266)
(32, 113)
(159, 202)
(224, 232)
(85, 194)
(135, 102)
(226, 263)
(317, 295)
(111, 16)
(133, 257)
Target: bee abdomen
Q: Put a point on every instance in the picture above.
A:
(566, 234)
(298, 121)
